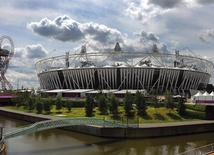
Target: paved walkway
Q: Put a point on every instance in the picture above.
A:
(29, 114)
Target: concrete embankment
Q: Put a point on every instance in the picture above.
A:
(144, 130)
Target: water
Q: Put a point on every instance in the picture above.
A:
(61, 142)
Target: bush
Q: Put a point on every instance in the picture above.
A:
(201, 108)
(195, 114)
(78, 103)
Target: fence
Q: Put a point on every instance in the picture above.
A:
(203, 150)
(127, 122)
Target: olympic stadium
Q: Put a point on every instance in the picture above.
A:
(117, 69)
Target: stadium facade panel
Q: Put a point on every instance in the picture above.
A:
(125, 70)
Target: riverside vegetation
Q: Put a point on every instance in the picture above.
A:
(139, 107)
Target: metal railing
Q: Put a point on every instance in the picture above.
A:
(203, 150)
(57, 123)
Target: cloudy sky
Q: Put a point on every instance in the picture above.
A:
(45, 28)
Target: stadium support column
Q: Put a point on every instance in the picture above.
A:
(96, 80)
(118, 78)
(67, 60)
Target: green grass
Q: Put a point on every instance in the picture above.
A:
(159, 115)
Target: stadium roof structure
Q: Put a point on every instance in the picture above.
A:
(144, 69)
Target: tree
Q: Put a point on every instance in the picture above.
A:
(47, 105)
(58, 103)
(89, 106)
(39, 106)
(168, 100)
(69, 105)
(113, 104)
(31, 103)
(140, 102)
(128, 100)
(154, 99)
(102, 104)
(181, 107)
(24, 97)
(21, 98)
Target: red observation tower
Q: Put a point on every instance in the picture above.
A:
(5, 56)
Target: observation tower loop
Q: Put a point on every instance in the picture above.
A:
(5, 57)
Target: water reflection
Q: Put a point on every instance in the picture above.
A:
(61, 142)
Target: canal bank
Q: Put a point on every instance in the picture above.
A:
(144, 130)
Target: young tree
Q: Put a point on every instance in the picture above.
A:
(69, 105)
(58, 103)
(39, 106)
(169, 100)
(24, 97)
(89, 106)
(181, 107)
(31, 103)
(140, 102)
(113, 104)
(102, 104)
(47, 105)
(128, 100)
(154, 99)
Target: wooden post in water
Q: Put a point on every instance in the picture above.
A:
(1, 132)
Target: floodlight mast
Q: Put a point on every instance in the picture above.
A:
(5, 56)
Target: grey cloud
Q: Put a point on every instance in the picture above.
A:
(30, 52)
(35, 4)
(210, 32)
(148, 39)
(206, 35)
(205, 2)
(102, 33)
(202, 39)
(147, 36)
(166, 3)
(35, 51)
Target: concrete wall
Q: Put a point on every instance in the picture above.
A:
(156, 130)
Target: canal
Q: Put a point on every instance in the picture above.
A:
(61, 142)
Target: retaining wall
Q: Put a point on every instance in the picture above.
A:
(144, 130)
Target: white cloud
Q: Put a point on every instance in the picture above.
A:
(65, 29)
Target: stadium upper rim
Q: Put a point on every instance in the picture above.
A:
(152, 58)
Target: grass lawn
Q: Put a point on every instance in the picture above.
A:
(159, 115)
